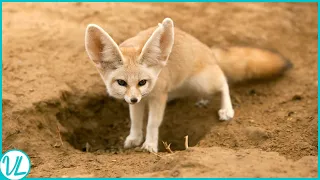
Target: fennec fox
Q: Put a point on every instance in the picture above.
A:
(163, 63)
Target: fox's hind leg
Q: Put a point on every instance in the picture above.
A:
(211, 80)
(226, 112)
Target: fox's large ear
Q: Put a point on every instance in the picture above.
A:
(101, 48)
(157, 49)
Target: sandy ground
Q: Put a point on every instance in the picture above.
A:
(50, 89)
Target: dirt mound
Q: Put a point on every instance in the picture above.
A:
(228, 163)
(56, 109)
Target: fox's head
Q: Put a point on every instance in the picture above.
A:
(130, 74)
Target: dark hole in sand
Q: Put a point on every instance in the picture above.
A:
(99, 123)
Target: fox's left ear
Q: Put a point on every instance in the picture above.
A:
(157, 49)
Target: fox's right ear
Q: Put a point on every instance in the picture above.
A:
(101, 48)
(158, 47)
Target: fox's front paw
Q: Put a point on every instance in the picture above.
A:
(133, 141)
(150, 146)
(226, 114)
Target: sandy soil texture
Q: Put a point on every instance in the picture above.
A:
(51, 90)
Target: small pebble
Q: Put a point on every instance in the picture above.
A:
(290, 113)
(252, 92)
(57, 145)
(297, 97)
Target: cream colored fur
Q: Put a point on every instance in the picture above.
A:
(173, 64)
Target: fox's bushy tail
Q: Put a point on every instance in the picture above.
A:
(247, 63)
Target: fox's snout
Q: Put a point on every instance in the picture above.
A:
(132, 100)
(132, 96)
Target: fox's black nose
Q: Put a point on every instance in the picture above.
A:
(134, 100)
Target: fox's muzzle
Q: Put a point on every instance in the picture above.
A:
(133, 96)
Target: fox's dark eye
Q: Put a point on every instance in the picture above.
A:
(142, 82)
(121, 82)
